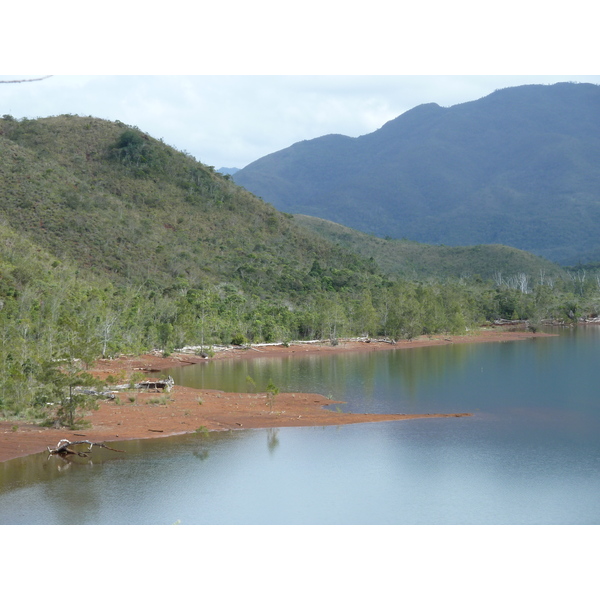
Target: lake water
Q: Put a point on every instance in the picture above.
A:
(529, 455)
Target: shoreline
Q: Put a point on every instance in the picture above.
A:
(143, 415)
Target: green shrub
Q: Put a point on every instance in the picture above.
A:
(239, 340)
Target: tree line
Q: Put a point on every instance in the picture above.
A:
(55, 321)
(119, 244)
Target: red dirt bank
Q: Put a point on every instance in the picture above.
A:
(185, 410)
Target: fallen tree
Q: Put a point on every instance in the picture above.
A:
(63, 448)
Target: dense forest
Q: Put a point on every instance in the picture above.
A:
(408, 259)
(113, 242)
(519, 167)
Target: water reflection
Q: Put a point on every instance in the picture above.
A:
(272, 439)
(45, 467)
(201, 454)
(336, 376)
(531, 453)
(39, 489)
(404, 381)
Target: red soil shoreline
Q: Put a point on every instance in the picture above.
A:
(185, 410)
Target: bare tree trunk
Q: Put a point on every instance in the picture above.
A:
(63, 448)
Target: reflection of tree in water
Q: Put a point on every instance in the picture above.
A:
(62, 463)
(272, 439)
(427, 365)
(44, 467)
(399, 374)
(201, 454)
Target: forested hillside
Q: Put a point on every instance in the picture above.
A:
(520, 167)
(121, 203)
(113, 242)
(412, 260)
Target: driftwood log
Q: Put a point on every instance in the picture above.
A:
(63, 448)
(161, 385)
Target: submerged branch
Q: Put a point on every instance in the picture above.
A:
(63, 447)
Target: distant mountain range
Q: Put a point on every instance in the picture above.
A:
(520, 167)
(228, 170)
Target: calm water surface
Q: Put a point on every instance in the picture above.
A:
(529, 455)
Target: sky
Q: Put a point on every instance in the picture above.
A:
(232, 82)
(232, 120)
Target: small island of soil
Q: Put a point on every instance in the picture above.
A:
(139, 415)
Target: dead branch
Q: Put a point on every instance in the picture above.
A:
(64, 447)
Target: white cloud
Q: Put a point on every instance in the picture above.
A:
(376, 53)
(233, 120)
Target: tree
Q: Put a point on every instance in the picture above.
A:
(364, 314)
(333, 316)
(63, 383)
(203, 303)
(272, 391)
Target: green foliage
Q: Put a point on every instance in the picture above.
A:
(65, 386)
(91, 267)
(239, 340)
(124, 205)
(272, 392)
(138, 152)
(406, 259)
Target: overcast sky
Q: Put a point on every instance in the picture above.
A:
(239, 80)
(230, 121)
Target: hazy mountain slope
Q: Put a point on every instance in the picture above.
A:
(404, 258)
(227, 170)
(520, 167)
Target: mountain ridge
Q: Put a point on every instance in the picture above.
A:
(517, 167)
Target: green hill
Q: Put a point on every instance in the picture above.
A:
(113, 242)
(118, 202)
(520, 167)
(412, 260)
